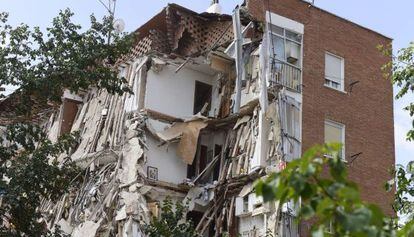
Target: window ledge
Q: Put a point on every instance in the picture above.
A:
(332, 88)
(331, 157)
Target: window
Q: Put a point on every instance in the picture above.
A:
(202, 98)
(286, 46)
(334, 71)
(69, 112)
(286, 57)
(292, 128)
(335, 132)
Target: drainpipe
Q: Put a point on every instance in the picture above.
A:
(238, 41)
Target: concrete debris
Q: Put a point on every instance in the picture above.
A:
(130, 168)
(121, 214)
(88, 228)
(187, 132)
(65, 227)
(187, 146)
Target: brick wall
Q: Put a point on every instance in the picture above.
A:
(367, 112)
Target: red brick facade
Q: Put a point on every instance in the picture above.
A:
(366, 112)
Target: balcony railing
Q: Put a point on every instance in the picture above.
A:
(287, 75)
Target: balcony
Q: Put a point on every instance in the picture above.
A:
(287, 75)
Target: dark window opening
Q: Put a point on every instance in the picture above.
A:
(217, 152)
(203, 158)
(191, 170)
(202, 161)
(202, 97)
(199, 164)
(69, 111)
(195, 217)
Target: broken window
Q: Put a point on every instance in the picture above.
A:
(202, 98)
(199, 163)
(205, 167)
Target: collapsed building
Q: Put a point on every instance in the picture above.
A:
(211, 111)
(216, 104)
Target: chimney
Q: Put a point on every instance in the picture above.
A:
(215, 7)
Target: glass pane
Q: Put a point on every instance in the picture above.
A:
(294, 36)
(276, 29)
(333, 68)
(335, 85)
(278, 47)
(296, 121)
(292, 121)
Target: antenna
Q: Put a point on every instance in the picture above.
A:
(311, 3)
(119, 25)
(110, 6)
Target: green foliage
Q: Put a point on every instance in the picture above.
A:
(172, 222)
(326, 195)
(62, 57)
(42, 64)
(402, 68)
(404, 180)
(29, 172)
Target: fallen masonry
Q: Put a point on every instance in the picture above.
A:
(212, 111)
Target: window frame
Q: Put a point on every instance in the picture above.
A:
(342, 127)
(342, 79)
(285, 40)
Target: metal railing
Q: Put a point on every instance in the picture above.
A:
(286, 75)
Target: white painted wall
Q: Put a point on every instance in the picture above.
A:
(248, 224)
(171, 168)
(284, 22)
(173, 93)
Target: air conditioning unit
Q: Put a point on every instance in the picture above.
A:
(292, 52)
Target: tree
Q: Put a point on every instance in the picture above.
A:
(29, 173)
(43, 65)
(331, 200)
(402, 67)
(172, 222)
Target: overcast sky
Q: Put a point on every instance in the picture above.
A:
(391, 18)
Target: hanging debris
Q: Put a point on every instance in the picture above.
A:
(209, 115)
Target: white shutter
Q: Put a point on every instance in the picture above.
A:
(333, 68)
(333, 133)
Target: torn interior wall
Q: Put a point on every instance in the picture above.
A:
(202, 124)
